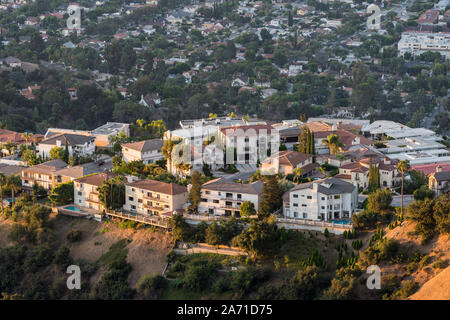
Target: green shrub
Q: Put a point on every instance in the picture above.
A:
(177, 267)
(62, 258)
(74, 236)
(221, 285)
(246, 279)
(440, 264)
(151, 287)
(411, 267)
(426, 260)
(408, 287)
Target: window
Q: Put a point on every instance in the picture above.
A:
(229, 195)
(131, 198)
(305, 215)
(295, 204)
(133, 207)
(140, 200)
(239, 196)
(295, 215)
(207, 192)
(295, 196)
(215, 201)
(80, 193)
(304, 205)
(323, 198)
(309, 197)
(132, 189)
(337, 197)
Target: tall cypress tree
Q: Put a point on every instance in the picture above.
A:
(313, 147)
(194, 193)
(303, 140)
(271, 197)
(374, 177)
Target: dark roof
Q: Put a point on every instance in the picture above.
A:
(47, 167)
(159, 186)
(97, 179)
(80, 170)
(223, 185)
(146, 145)
(287, 132)
(8, 169)
(69, 138)
(327, 186)
(442, 176)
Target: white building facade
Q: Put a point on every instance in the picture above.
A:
(224, 198)
(321, 200)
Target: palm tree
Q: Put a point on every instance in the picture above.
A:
(298, 172)
(167, 151)
(403, 167)
(333, 143)
(159, 127)
(27, 137)
(140, 122)
(14, 183)
(2, 183)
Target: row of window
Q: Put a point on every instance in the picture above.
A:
(322, 198)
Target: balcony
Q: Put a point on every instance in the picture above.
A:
(92, 200)
(147, 206)
(145, 196)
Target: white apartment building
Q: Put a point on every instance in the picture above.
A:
(147, 151)
(321, 200)
(249, 143)
(81, 145)
(153, 197)
(85, 190)
(417, 43)
(417, 150)
(224, 198)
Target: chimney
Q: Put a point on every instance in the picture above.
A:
(439, 169)
(315, 186)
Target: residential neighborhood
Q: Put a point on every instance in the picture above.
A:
(225, 150)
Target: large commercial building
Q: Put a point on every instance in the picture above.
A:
(417, 43)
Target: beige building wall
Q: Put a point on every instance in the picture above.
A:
(153, 203)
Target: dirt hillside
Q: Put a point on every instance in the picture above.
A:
(434, 283)
(438, 288)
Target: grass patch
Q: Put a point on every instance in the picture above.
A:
(116, 252)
